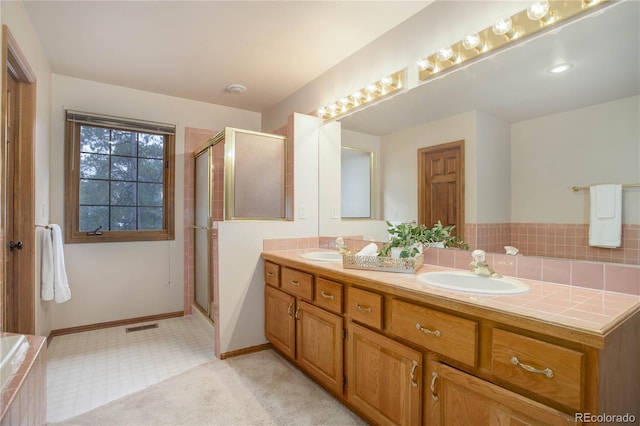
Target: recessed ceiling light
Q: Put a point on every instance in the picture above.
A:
(557, 69)
(236, 88)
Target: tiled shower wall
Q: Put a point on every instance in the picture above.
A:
(566, 241)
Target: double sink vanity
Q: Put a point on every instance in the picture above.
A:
(407, 349)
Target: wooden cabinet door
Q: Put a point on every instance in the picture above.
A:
(279, 320)
(457, 398)
(319, 345)
(383, 377)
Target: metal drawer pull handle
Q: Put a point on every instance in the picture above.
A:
(269, 274)
(427, 331)
(547, 371)
(363, 308)
(434, 377)
(327, 295)
(298, 313)
(295, 282)
(414, 382)
(289, 310)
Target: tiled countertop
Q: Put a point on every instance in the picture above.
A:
(594, 312)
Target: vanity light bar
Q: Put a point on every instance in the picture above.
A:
(365, 96)
(540, 16)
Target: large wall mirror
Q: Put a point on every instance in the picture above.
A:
(529, 134)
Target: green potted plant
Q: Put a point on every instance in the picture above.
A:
(408, 239)
(443, 234)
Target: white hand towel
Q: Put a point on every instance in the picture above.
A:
(61, 283)
(605, 216)
(369, 250)
(46, 267)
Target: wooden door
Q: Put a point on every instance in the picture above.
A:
(441, 185)
(383, 377)
(18, 190)
(279, 320)
(457, 398)
(319, 345)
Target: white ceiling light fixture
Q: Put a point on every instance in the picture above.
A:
(237, 89)
(560, 68)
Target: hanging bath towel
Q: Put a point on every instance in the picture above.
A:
(46, 268)
(61, 288)
(605, 216)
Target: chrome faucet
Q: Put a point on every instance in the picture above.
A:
(479, 266)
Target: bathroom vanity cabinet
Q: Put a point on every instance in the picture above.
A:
(307, 334)
(400, 355)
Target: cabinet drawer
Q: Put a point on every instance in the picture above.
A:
(272, 274)
(446, 334)
(544, 368)
(297, 283)
(328, 295)
(365, 307)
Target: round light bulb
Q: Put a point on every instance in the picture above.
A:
(371, 88)
(333, 107)
(471, 41)
(503, 26)
(538, 10)
(356, 95)
(424, 65)
(322, 111)
(445, 54)
(344, 101)
(386, 81)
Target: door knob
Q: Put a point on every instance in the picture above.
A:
(14, 245)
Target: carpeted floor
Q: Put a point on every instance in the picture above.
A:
(255, 389)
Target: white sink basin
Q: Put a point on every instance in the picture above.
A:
(471, 283)
(325, 256)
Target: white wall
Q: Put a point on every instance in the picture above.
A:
(493, 169)
(596, 144)
(400, 164)
(114, 281)
(14, 16)
(241, 288)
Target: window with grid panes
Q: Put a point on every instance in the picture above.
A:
(119, 179)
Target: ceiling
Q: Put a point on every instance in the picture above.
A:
(195, 49)
(514, 85)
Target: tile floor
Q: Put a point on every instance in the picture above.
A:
(89, 369)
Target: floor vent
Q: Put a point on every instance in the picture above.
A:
(142, 327)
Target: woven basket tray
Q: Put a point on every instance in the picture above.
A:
(386, 264)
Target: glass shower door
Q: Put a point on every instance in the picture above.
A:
(202, 234)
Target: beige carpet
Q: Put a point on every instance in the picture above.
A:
(255, 389)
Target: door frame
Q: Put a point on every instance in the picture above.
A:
(422, 183)
(24, 188)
